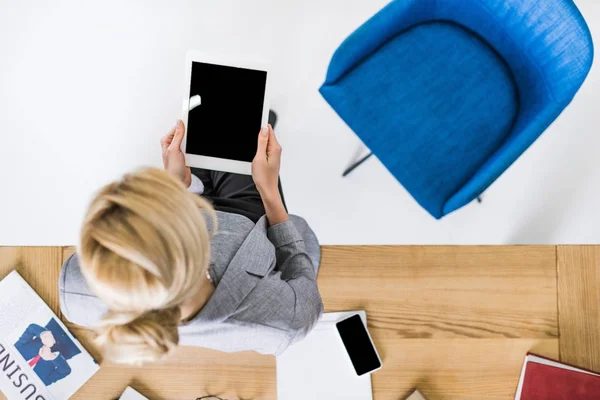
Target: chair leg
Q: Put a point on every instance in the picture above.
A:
(479, 199)
(356, 164)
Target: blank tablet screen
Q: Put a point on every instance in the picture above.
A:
(228, 119)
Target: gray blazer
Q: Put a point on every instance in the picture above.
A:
(266, 295)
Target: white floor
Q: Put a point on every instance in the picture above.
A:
(88, 88)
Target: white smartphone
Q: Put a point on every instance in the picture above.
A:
(225, 104)
(359, 345)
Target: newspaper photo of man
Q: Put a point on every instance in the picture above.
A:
(47, 349)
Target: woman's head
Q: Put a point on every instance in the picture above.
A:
(144, 249)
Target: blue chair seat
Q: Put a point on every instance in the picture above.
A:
(446, 96)
(449, 93)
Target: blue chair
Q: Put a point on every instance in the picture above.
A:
(449, 93)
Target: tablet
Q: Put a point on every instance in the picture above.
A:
(225, 106)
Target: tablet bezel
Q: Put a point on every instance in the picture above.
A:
(213, 163)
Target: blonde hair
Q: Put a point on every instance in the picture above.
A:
(144, 249)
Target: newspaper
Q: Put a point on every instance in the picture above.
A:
(39, 358)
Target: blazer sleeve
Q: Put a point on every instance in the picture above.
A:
(297, 270)
(78, 303)
(60, 370)
(32, 331)
(196, 186)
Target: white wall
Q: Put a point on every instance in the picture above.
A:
(87, 89)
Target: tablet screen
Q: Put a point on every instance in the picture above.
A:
(226, 111)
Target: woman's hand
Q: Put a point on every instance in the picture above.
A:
(265, 166)
(265, 172)
(173, 158)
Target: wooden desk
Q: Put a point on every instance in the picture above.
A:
(454, 321)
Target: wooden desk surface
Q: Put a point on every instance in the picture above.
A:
(455, 321)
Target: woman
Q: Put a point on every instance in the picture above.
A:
(152, 271)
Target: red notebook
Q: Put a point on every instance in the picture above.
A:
(545, 379)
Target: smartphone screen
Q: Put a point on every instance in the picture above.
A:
(358, 344)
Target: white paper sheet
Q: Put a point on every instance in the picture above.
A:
(131, 394)
(319, 367)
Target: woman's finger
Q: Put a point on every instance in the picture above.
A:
(263, 142)
(272, 138)
(178, 138)
(274, 148)
(171, 132)
(165, 142)
(167, 139)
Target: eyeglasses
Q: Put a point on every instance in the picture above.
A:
(210, 398)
